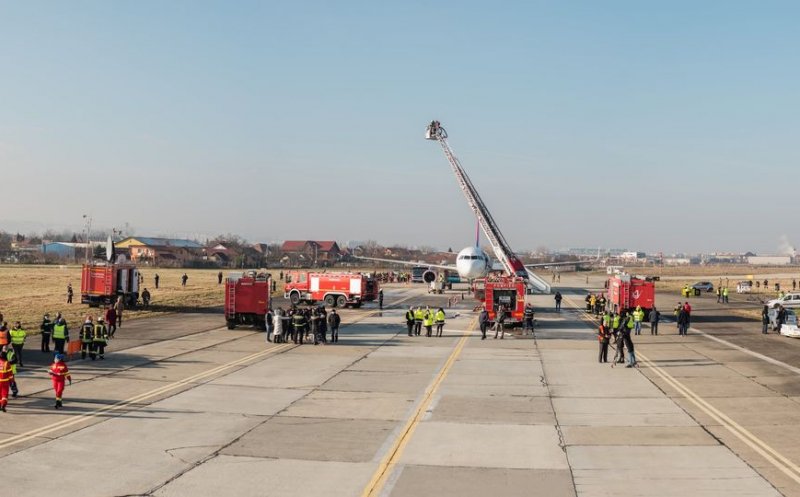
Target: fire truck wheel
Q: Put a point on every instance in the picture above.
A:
(330, 300)
(341, 301)
(294, 298)
(231, 324)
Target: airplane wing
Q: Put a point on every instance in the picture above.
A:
(566, 263)
(407, 263)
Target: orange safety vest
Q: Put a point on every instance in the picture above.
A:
(3, 337)
(6, 373)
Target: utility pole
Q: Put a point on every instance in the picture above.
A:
(88, 228)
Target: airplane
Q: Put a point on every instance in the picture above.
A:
(471, 263)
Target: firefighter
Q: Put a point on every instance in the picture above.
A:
(604, 337)
(528, 317)
(428, 322)
(18, 336)
(298, 325)
(588, 300)
(638, 317)
(60, 333)
(410, 320)
(439, 318)
(333, 323)
(418, 317)
(314, 320)
(12, 359)
(87, 335)
(99, 339)
(501, 322)
(59, 373)
(6, 377)
(46, 328)
(323, 324)
(601, 304)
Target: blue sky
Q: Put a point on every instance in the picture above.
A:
(653, 126)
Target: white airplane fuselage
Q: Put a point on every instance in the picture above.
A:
(472, 263)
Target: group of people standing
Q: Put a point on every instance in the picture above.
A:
(617, 328)
(298, 325)
(417, 318)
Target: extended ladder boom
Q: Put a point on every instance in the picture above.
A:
(502, 249)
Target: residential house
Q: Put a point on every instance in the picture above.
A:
(161, 251)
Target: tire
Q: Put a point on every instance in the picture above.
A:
(341, 301)
(294, 298)
(330, 300)
(231, 324)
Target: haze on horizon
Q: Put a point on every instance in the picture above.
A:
(658, 127)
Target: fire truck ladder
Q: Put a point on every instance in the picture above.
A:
(231, 301)
(502, 249)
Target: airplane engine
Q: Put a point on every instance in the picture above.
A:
(429, 276)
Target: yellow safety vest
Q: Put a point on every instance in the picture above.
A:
(418, 315)
(18, 336)
(428, 319)
(440, 316)
(60, 331)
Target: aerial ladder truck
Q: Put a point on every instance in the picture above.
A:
(511, 263)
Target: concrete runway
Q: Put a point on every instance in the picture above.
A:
(182, 406)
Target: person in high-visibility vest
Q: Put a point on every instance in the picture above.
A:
(427, 321)
(11, 357)
(606, 319)
(638, 317)
(725, 294)
(18, 335)
(87, 335)
(418, 317)
(439, 317)
(5, 338)
(99, 338)
(60, 334)
(59, 373)
(410, 320)
(6, 377)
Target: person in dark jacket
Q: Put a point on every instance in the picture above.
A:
(764, 319)
(604, 337)
(410, 321)
(655, 316)
(500, 322)
(683, 322)
(780, 318)
(483, 321)
(47, 330)
(333, 324)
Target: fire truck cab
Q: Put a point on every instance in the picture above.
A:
(247, 299)
(335, 289)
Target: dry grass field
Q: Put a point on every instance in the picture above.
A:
(27, 292)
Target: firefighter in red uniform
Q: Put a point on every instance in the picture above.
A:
(59, 372)
(6, 377)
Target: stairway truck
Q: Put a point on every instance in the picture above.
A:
(626, 292)
(508, 291)
(104, 283)
(334, 289)
(247, 299)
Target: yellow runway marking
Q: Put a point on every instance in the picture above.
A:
(383, 471)
(73, 420)
(774, 457)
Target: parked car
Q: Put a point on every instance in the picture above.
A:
(704, 286)
(790, 300)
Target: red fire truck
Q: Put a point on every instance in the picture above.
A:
(627, 292)
(102, 283)
(494, 291)
(335, 289)
(247, 299)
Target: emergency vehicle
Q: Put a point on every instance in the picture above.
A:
(494, 291)
(102, 283)
(335, 289)
(628, 292)
(247, 299)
